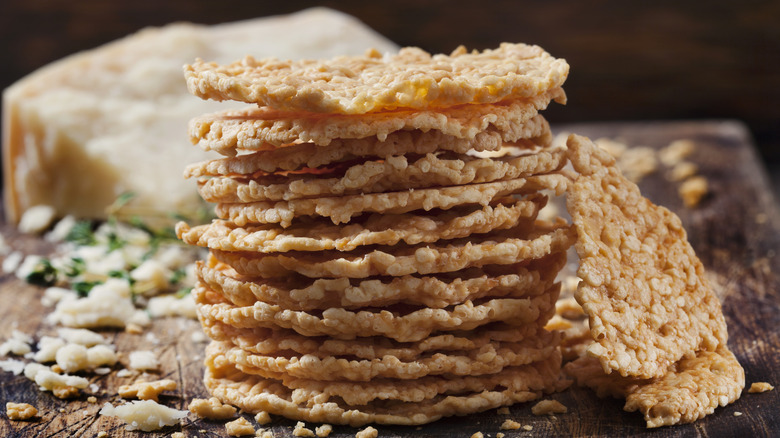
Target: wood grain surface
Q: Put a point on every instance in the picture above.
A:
(735, 231)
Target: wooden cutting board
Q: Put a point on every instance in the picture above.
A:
(735, 231)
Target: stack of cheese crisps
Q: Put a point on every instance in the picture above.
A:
(378, 257)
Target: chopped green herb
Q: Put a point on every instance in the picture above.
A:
(122, 275)
(77, 267)
(114, 242)
(120, 202)
(178, 275)
(183, 292)
(82, 234)
(84, 287)
(44, 274)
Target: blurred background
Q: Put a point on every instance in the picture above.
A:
(666, 59)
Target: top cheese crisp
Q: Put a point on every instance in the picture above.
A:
(372, 82)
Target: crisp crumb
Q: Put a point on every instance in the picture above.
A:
(264, 433)
(368, 432)
(693, 190)
(503, 411)
(301, 430)
(737, 414)
(91, 399)
(61, 410)
(239, 427)
(510, 425)
(262, 418)
(178, 435)
(211, 409)
(548, 407)
(500, 435)
(676, 152)
(134, 329)
(20, 411)
(324, 430)
(147, 390)
(760, 387)
(682, 171)
(477, 435)
(104, 434)
(528, 427)
(56, 368)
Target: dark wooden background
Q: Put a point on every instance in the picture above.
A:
(666, 59)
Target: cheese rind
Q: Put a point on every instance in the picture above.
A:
(85, 129)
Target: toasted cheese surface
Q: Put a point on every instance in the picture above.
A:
(83, 130)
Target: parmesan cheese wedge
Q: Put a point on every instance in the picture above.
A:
(85, 129)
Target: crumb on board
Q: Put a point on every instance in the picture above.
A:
(143, 390)
(510, 425)
(302, 430)
(756, 387)
(262, 418)
(239, 427)
(548, 407)
(503, 411)
(324, 430)
(368, 432)
(211, 409)
(693, 190)
(20, 411)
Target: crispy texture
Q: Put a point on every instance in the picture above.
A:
(393, 174)
(300, 293)
(485, 127)
(263, 341)
(376, 229)
(146, 390)
(20, 411)
(404, 325)
(690, 390)
(369, 83)
(643, 287)
(340, 209)
(443, 256)
(488, 359)
(255, 394)
(310, 155)
(479, 128)
(211, 409)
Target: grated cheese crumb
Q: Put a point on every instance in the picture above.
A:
(36, 219)
(145, 415)
(143, 360)
(12, 366)
(61, 385)
(18, 344)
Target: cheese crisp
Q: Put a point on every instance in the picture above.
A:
(373, 82)
(378, 256)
